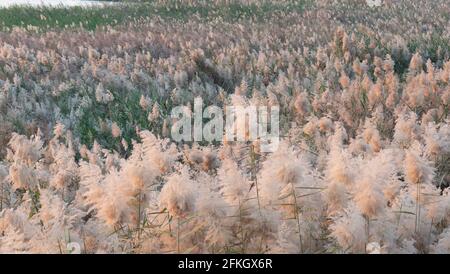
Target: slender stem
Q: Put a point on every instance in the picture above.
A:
(368, 232)
(139, 215)
(254, 177)
(178, 235)
(399, 215)
(257, 194)
(241, 227)
(296, 212)
(418, 218)
(431, 229)
(59, 246)
(1, 197)
(417, 209)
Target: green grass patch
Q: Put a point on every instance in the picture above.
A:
(45, 17)
(59, 17)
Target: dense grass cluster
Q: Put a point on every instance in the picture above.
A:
(364, 92)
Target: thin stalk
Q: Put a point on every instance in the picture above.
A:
(255, 179)
(368, 232)
(419, 209)
(257, 194)
(1, 197)
(59, 247)
(178, 235)
(431, 229)
(139, 215)
(241, 228)
(296, 212)
(416, 228)
(169, 223)
(399, 216)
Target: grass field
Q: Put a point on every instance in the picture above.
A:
(122, 12)
(89, 158)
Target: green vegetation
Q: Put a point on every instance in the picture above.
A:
(55, 17)
(112, 14)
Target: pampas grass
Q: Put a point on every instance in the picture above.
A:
(86, 154)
